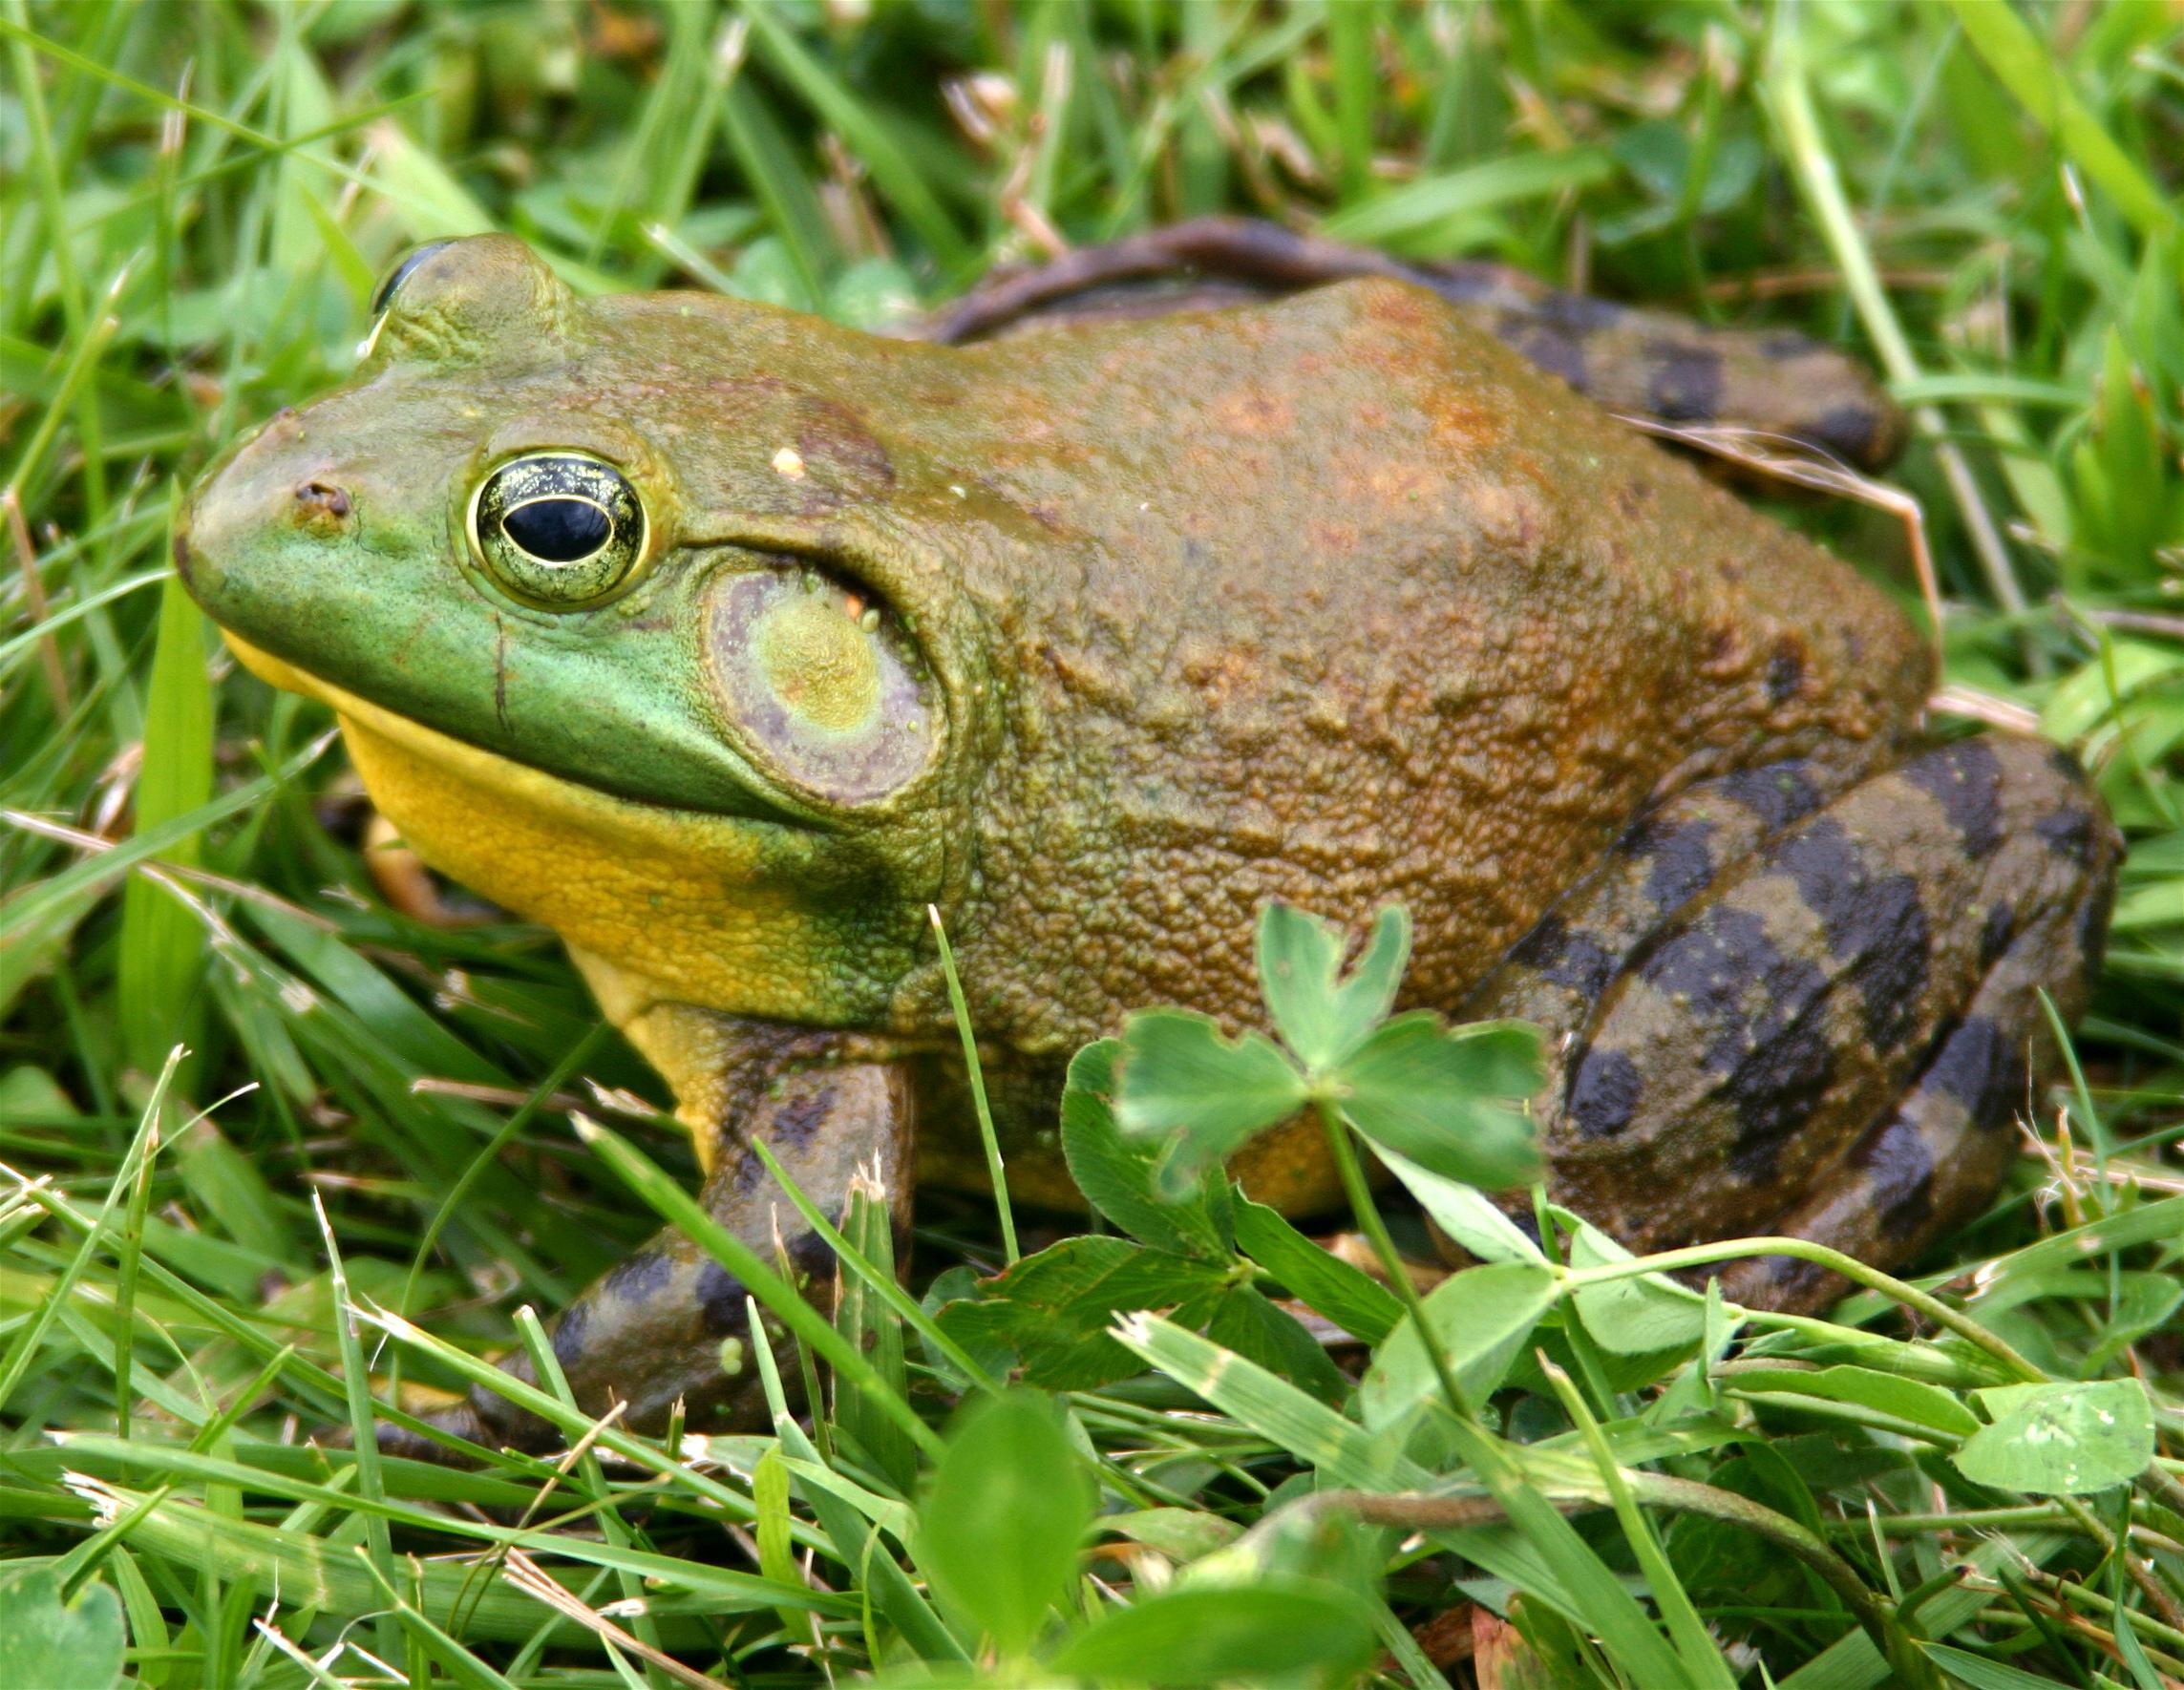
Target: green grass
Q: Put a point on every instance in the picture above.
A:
(372, 1115)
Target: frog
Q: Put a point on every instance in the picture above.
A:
(742, 649)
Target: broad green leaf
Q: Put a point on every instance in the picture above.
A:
(1353, 1301)
(1250, 1634)
(1009, 1505)
(45, 1640)
(1118, 1175)
(163, 946)
(1450, 1100)
(1180, 1533)
(2085, 698)
(1052, 1310)
(2060, 1439)
(312, 1571)
(1181, 1080)
(1634, 1317)
(1982, 1674)
(1250, 1325)
(1343, 1452)
(1926, 1406)
(1321, 1018)
(1419, 205)
(2026, 63)
(1481, 1317)
(1465, 1212)
(2149, 1223)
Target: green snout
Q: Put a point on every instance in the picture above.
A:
(336, 544)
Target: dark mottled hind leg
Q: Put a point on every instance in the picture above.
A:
(668, 1325)
(1833, 1009)
(1936, 1159)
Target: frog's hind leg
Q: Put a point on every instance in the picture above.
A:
(668, 1325)
(1939, 1155)
(1778, 1009)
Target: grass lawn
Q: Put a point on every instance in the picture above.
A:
(1970, 1477)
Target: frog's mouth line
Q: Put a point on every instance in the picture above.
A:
(611, 811)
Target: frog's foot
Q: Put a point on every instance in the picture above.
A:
(670, 1325)
(1780, 1012)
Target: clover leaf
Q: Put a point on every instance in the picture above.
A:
(1449, 1100)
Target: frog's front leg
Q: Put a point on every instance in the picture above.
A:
(668, 1323)
(1781, 1008)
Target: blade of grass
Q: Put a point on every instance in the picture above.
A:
(679, 1209)
(24, 1345)
(976, 1075)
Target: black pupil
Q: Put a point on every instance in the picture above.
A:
(558, 530)
(401, 273)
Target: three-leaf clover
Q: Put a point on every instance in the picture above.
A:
(1449, 1099)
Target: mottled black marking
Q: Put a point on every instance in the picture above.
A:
(1605, 1089)
(2068, 832)
(639, 1279)
(2063, 762)
(1980, 1065)
(1774, 1091)
(1783, 344)
(794, 1122)
(1679, 859)
(722, 1299)
(1756, 1010)
(1778, 795)
(812, 1254)
(1785, 675)
(1552, 350)
(1581, 313)
(2093, 926)
(1686, 382)
(1714, 965)
(571, 1331)
(1789, 1281)
(1995, 935)
(1875, 926)
(1892, 977)
(1900, 1167)
(747, 1174)
(1854, 431)
(1965, 779)
(1574, 961)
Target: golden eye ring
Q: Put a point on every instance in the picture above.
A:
(558, 530)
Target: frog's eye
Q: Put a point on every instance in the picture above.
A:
(560, 530)
(382, 295)
(822, 684)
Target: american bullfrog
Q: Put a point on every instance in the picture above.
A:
(724, 641)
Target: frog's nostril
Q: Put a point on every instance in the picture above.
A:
(318, 498)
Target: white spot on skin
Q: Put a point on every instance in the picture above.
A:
(788, 462)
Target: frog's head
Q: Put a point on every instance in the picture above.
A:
(617, 622)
